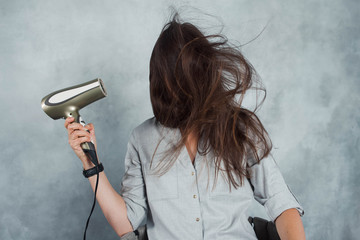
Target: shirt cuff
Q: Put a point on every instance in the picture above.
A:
(281, 202)
(134, 220)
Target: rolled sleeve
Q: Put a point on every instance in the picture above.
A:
(270, 188)
(132, 185)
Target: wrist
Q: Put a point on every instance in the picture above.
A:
(87, 165)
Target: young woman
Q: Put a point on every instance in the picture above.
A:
(193, 169)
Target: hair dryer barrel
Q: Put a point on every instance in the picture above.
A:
(67, 102)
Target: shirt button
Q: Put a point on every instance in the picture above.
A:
(192, 173)
(194, 196)
(197, 219)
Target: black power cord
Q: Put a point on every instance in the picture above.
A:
(91, 154)
(94, 203)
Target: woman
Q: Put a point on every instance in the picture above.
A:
(199, 135)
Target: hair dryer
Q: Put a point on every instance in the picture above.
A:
(67, 103)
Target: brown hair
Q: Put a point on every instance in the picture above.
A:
(194, 82)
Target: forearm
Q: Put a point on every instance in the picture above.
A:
(112, 204)
(290, 226)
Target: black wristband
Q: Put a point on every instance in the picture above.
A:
(92, 171)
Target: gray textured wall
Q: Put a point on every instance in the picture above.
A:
(308, 58)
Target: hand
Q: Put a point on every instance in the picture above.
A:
(78, 134)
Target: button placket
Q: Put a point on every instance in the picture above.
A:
(192, 174)
(195, 196)
(197, 187)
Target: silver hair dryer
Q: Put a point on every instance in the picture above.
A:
(67, 103)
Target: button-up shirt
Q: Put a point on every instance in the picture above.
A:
(182, 203)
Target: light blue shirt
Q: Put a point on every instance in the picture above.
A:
(180, 203)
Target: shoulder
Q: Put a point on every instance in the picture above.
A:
(150, 132)
(146, 127)
(145, 131)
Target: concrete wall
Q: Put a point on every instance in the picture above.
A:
(307, 57)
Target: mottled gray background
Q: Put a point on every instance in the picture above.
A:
(307, 57)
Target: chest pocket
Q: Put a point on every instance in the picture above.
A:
(221, 188)
(162, 187)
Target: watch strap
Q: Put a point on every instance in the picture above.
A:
(92, 171)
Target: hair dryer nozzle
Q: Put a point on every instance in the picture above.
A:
(67, 102)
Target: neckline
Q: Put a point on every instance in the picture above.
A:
(173, 136)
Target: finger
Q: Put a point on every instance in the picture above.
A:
(68, 121)
(76, 143)
(74, 127)
(90, 128)
(79, 133)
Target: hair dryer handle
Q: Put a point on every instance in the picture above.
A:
(89, 150)
(88, 147)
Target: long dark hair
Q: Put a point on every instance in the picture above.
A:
(197, 84)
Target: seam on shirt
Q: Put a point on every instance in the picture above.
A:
(292, 193)
(132, 217)
(133, 133)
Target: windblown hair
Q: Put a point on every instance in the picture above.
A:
(194, 84)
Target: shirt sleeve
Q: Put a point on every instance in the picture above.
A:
(132, 185)
(270, 188)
